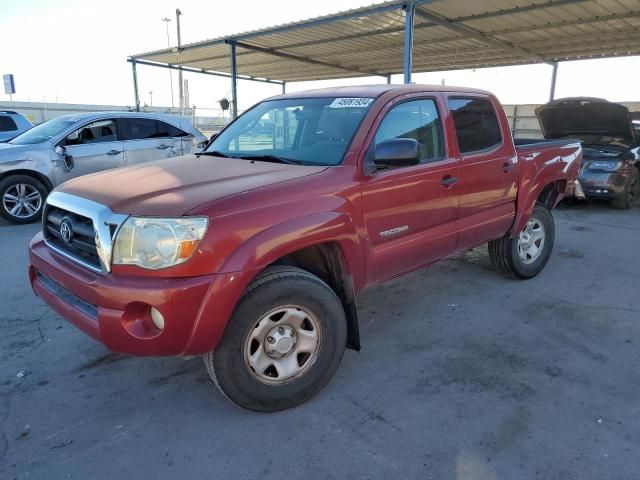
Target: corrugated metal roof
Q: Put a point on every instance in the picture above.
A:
(448, 35)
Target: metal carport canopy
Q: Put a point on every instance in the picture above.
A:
(416, 36)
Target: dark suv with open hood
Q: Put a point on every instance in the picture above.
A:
(611, 166)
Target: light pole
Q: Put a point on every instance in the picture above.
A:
(166, 20)
(180, 92)
(151, 98)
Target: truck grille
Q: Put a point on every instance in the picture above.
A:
(71, 234)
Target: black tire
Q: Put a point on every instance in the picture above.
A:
(11, 182)
(275, 287)
(504, 252)
(631, 192)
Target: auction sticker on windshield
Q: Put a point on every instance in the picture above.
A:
(353, 102)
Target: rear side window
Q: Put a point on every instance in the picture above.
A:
(477, 126)
(138, 128)
(168, 130)
(144, 128)
(7, 124)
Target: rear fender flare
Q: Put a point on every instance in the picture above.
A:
(526, 206)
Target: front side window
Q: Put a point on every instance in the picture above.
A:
(416, 119)
(310, 131)
(7, 124)
(95, 132)
(476, 123)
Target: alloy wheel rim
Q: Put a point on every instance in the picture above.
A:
(22, 200)
(283, 345)
(531, 241)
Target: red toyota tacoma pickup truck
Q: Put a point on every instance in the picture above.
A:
(252, 253)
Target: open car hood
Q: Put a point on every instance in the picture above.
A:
(586, 117)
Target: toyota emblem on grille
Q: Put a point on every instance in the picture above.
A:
(66, 233)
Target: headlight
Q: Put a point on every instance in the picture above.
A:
(158, 242)
(606, 165)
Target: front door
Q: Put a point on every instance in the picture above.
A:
(91, 148)
(410, 212)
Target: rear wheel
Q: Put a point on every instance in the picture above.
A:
(525, 255)
(283, 342)
(630, 194)
(21, 199)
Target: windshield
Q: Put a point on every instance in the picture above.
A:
(309, 131)
(43, 132)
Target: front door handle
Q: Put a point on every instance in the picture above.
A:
(113, 152)
(163, 147)
(507, 167)
(448, 180)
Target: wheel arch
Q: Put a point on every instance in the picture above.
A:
(29, 173)
(327, 262)
(548, 194)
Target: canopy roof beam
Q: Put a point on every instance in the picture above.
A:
(203, 71)
(311, 61)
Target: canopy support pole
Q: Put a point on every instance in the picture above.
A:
(407, 64)
(554, 76)
(135, 85)
(234, 81)
(284, 87)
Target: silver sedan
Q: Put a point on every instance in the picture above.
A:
(35, 162)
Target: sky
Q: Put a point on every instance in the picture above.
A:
(75, 51)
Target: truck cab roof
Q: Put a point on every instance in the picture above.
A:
(375, 91)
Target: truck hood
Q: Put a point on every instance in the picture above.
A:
(175, 186)
(591, 120)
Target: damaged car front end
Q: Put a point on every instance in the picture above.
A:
(611, 167)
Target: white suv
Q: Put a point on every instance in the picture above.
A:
(12, 124)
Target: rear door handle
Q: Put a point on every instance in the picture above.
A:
(448, 180)
(507, 167)
(113, 152)
(163, 147)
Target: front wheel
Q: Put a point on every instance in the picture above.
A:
(21, 199)
(283, 342)
(525, 255)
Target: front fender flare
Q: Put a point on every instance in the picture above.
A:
(258, 252)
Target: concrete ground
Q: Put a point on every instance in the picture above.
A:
(463, 375)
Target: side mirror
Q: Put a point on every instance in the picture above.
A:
(397, 152)
(66, 158)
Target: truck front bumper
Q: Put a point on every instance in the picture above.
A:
(116, 310)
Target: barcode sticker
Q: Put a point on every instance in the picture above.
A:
(355, 102)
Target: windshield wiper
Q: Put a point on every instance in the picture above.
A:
(214, 153)
(271, 158)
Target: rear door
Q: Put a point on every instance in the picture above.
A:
(146, 140)
(488, 174)
(93, 147)
(410, 212)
